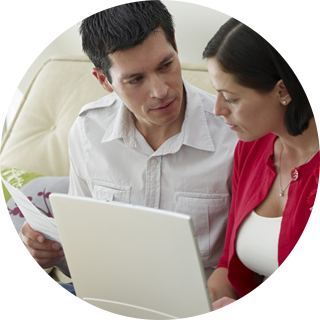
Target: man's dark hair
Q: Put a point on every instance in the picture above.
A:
(121, 28)
(257, 65)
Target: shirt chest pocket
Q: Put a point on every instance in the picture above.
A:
(110, 192)
(208, 213)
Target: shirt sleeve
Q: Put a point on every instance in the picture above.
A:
(223, 262)
(78, 185)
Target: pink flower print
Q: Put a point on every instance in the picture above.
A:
(47, 212)
(11, 212)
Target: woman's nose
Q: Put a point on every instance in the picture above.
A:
(220, 107)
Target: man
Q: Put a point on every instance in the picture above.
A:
(155, 140)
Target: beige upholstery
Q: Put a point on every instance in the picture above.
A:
(37, 138)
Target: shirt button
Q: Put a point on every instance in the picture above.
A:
(110, 101)
(154, 161)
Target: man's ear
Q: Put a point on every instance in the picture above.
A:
(102, 79)
(284, 96)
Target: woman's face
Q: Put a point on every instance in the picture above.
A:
(249, 113)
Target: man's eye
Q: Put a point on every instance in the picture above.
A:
(136, 80)
(167, 65)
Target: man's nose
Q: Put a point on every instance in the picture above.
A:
(158, 87)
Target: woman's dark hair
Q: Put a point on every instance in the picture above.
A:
(257, 65)
(121, 28)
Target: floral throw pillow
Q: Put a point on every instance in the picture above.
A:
(35, 187)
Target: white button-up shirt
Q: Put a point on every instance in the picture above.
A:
(190, 173)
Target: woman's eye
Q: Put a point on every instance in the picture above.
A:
(230, 101)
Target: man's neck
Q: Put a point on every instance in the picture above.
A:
(155, 138)
(157, 135)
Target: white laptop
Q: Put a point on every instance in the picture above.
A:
(131, 260)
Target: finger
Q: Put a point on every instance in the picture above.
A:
(222, 302)
(31, 237)
(40, 258)
(39, 254)
(47, 253)
(47, 245)
(48, 263)
(32, 234)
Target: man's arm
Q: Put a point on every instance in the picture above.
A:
(49, 253)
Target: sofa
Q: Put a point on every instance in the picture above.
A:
(34, 151)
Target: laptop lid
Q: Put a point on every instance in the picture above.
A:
(131, 260)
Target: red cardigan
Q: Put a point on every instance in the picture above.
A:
(253, 175)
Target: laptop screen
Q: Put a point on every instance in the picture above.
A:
(132, 260)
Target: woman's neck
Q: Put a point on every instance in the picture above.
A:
(301, 146)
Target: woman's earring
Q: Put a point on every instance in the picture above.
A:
(284, 102)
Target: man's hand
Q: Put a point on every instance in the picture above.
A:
(222, 303)
(47, 253)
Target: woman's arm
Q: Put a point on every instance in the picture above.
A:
(219, 285)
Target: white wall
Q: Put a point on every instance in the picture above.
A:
(24, 47)
(24, 42)
(33, 30)
(195, 26)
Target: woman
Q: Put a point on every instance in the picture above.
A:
(276, 165)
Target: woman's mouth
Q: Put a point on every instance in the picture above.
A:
(232, 126)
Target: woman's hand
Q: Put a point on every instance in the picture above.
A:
(222, 303)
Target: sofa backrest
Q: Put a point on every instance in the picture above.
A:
(37, 139)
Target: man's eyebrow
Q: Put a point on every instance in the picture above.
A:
(166, 58)
(129, 76)
(132, 75)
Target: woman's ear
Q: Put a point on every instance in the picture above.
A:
(102, 79)
(283, 94)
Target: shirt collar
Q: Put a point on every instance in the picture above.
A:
(122, 127)
(195, 129)
(194, 132)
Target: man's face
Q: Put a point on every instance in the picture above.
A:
(148, 80)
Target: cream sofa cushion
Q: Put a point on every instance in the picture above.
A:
(37, 139)
(197, 75)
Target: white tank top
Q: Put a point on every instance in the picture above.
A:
(257, 243)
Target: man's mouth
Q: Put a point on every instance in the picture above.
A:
(165, 106)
